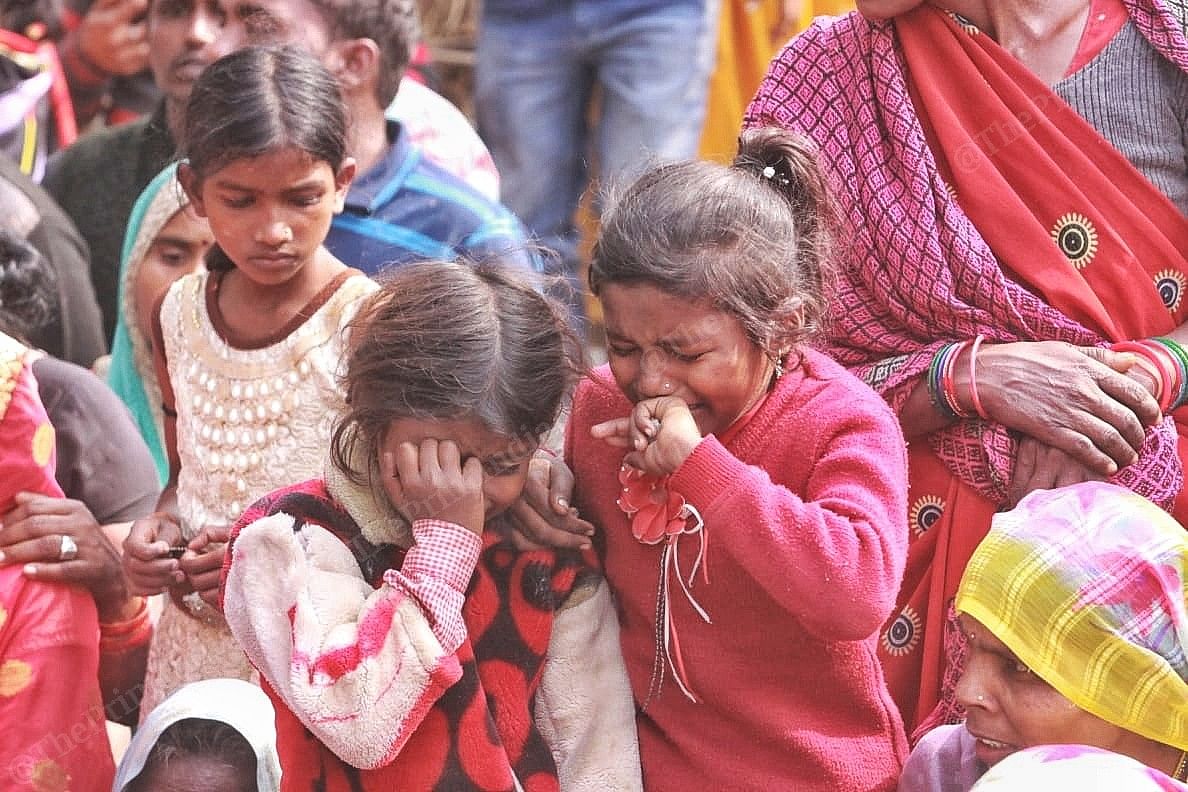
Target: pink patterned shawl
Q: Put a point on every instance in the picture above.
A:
(917, 273)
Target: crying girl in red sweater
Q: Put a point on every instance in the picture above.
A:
(750, 492)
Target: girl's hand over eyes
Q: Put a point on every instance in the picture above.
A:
(430, 482)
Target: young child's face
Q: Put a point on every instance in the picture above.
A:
(662, 345)
(177, 250)
(271, 213)
(505, 461)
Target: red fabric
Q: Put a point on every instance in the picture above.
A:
(483, 728)
(1106, 19)
(52, 726)
(1020, 160)
(27, 451)
(937, 258)
(1017, 183)
(804, 510)
(53, 733)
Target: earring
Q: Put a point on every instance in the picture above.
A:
(779, 368)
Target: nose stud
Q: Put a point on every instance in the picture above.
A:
(666, 387)
(981, 698)
(288, 235)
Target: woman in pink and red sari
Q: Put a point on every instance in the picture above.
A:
(1014, 175)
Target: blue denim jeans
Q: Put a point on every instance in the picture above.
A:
(535, 76)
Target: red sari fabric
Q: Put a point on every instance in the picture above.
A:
(26, 436)
(981, 203)
(53, 734)
(1070, 219)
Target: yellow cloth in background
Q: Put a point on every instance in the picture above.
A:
(745, 48)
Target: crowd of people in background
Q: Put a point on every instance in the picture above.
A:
(760, 395)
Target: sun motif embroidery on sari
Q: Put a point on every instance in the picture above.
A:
(1076, 236)
(925, 513)
(661, 516)
(965, 23)
(1170, 284)
(904, 633)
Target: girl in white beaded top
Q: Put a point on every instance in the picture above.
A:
(247, 352)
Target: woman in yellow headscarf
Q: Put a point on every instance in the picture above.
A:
(750, 32)
(1074, 607)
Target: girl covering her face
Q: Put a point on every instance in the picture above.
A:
(405, 639)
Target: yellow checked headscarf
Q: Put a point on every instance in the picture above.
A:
(1086, 585)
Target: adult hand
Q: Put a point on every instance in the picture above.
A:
(32, 533)
(431, 482)
(202, 562)
(112, 36)
(147, 560)
(542, 517)
(660, 434)
(1039, 466)
(1077, 400)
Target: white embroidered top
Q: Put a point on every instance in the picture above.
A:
(249, 420)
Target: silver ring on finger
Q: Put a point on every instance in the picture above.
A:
(68, 550)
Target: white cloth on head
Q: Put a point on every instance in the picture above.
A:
(241, 705)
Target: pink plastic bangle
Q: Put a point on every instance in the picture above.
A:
(1166, 369)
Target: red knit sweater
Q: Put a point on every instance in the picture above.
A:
(806, 517)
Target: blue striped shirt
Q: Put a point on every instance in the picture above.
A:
(405, 209)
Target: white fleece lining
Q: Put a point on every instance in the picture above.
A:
(360, 715)
(584, 708)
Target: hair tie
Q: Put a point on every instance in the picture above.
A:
(769, 173)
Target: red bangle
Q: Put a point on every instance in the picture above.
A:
(948, 385)
(1161, 361)
(126, 643)
(123, 636)
(1172, 387)
(116, 629)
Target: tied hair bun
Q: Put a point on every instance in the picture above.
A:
(781, 158)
